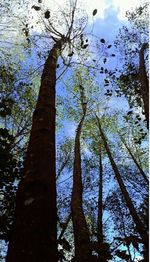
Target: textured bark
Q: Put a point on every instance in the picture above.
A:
(81, 233)
(139, 225)
(34, 234)
(136, 163)
(144, 82)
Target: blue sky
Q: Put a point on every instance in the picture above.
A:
(110, 17)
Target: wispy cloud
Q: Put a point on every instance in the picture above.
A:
(89, 6)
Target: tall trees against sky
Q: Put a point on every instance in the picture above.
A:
(133, 44)
(135, 161)
(17, 100)
(35, 225)
(83, 249)
(16, 105)
(137, 220)
(92, 130)
(38, 186)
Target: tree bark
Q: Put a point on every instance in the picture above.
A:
(144, 82)
(34, 234)
(139, 225)
(81, 232)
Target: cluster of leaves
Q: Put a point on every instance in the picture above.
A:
(9, 176)
(129, 42)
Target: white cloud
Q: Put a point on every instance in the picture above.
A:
(123, 6)
(100, 5)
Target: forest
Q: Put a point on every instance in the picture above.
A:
(74, 121)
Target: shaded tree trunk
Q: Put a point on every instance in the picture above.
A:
(103, 247)
(34, 234)
(144, 82)
(100, 208)
(81, 232)
(139, 225)
(136, 163)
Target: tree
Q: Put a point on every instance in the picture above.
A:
(99, 216)
(132, 41)
(16, 105)
(135, 161)
(144, 81)
(103, 246)
(34, 234)
(9, 173)
(81, 234)
(139, 225)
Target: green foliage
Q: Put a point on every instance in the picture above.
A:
(9, 175)
(129, 42)
(18, 88)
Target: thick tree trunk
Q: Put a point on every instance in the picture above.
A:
(144, 82)
(136, 219)
(34, 235)
(136, 163)
(81, 233)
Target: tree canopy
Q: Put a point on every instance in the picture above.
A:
(74, 119)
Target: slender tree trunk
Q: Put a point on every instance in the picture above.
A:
(81, 233)
(34, 235)
(136, 219)
(144, 82)
(100, 208)
(136, 163)
(103, 247)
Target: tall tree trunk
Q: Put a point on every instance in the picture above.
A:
(103, 247)
(34, 235)
(81, 233)
(136, 219)
(100, 208)
(136, 163)
(144, 82)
